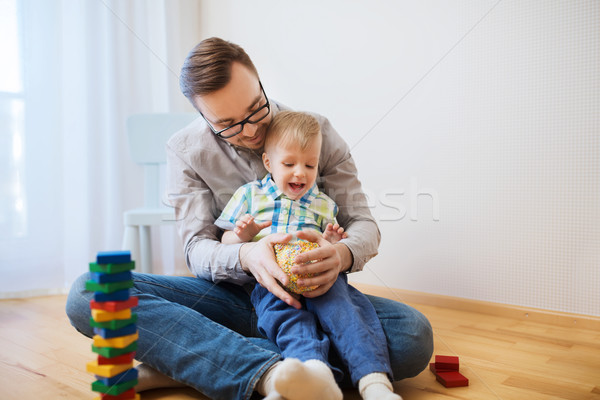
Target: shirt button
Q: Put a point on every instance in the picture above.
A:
(284, 212)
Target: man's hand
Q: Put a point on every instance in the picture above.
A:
(258, 258)
(329, 259)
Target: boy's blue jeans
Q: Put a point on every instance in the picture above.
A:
(205, 335)
(343, 317)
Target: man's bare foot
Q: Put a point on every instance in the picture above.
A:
(149, 378)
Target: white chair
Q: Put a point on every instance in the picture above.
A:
(148, 134)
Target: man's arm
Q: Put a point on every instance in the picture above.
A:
(339, 180)
(195, 212)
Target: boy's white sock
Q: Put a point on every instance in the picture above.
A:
(312, 379)
(377, 386)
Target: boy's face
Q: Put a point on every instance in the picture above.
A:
(294, 171)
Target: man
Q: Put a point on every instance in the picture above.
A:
(201, 331)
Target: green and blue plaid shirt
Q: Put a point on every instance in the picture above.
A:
(266, 202)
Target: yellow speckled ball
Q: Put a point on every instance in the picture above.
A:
(285, 254)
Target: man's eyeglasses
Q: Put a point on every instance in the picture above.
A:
(238, 127)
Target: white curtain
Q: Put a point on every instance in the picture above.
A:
(79, 68)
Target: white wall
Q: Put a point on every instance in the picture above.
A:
(488, 109)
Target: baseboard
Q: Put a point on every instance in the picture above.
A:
(484, 307)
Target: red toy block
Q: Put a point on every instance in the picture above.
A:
(448, 363)
(436, 370)
(129, 394)
(122, 359)
(114, 306)
(451, 379)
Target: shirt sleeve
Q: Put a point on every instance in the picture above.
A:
(235, 208)
(195, 212)
(339, 180)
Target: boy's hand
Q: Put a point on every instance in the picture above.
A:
(329, 259)
(246, 228)
(258, 258)
(334, 233)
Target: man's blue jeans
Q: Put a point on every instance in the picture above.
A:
(205, 335)
(343, 318)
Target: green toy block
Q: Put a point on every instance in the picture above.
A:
(112, 268)
(110, 352)
(107, 287)
(113, 390)
(115, 323)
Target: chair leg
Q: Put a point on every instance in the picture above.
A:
(145, 249)
(131, 242)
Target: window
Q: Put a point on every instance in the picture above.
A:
(13, 206)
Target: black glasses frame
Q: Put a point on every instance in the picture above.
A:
(243, 122)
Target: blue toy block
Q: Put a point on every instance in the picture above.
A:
(128, 375)
(119, 295)
(101, 277)
(113, 257)
(110, 333)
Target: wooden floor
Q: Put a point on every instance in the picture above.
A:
(43, 357)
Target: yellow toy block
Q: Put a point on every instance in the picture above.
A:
(107, 370)
(104, 316)
(137, 397)
(116, 343)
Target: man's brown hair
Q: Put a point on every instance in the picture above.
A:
(207, 68)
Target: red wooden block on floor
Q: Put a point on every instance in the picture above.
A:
(114, 306)
(436, 370)
(451, 379)
(448, 363)
(126, 395)
(122, 359)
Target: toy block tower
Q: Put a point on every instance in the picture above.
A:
(115, 332)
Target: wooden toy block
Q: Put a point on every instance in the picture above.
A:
(101, 277)
(92, 286)
(110, 333)
(451, 379)
(114, 306)
(119, 295)
(107, 370)
(128, 375)
(109, 352)
(112, 268)
(113, 390)
(113, 257)
(449, 363)
(127, 395)
(119, 342)
(436, 370)
(104, 316)
(122, 359)
(115, 323)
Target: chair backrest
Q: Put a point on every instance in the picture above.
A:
(148, 134)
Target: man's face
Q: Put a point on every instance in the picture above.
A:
(233, 103)
(294, 170)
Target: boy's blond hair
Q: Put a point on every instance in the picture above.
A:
(292, 127)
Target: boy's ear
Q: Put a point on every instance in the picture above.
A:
(266, 162)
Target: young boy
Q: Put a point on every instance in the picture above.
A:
(288, 200)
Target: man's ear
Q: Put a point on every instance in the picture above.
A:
(266, 162)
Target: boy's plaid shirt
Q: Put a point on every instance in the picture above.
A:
(265, 202)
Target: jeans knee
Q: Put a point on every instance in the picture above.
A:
(410, 342)
(78, 306)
